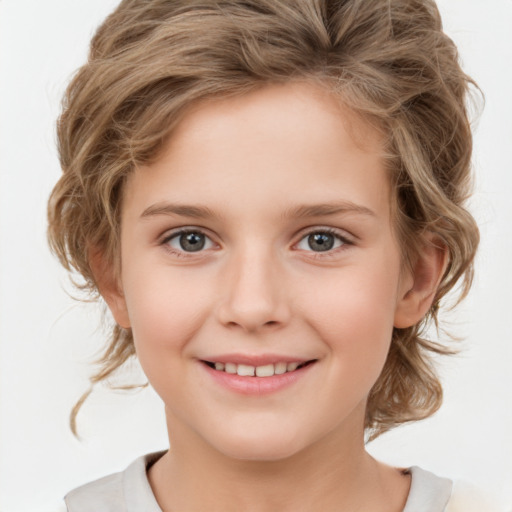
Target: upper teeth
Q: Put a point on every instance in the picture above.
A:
(267, 370)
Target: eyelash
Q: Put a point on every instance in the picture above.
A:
(345, 242)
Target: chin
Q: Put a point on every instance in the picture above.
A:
(259, 446)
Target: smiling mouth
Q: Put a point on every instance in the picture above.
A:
(268, 370)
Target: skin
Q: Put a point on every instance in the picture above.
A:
(259, 286)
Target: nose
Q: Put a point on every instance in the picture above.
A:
(252, 292)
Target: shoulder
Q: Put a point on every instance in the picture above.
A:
(428, 492)
(102, 495)
(125, 491)
(432, 493)
(466, 497)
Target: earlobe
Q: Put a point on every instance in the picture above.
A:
(420, 287)
(109, 287)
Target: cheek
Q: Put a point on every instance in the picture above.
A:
(166, 308)
(353, 313)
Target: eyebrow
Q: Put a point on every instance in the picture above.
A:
(183, 210)
(301, 211)
(325, 209)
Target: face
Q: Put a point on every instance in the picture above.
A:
(260, 273)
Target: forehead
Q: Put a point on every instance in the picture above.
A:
(279, 145)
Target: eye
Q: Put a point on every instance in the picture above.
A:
(188, 241)
(322, 241)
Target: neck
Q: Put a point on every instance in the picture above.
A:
(335, 474)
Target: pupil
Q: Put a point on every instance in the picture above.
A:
(192, 242)
(321, 241)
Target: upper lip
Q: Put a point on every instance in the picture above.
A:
(255, 360)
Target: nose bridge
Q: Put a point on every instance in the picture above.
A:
(252, 294)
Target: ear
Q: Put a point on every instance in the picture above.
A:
(419, 284)
(109, 286)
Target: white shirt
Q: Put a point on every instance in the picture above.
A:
(129, 491)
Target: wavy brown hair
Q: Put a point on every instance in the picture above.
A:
(388, 60)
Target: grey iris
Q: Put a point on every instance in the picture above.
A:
(192, 242)
(321, 241)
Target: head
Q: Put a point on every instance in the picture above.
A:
(154, 65)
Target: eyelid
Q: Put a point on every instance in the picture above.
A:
(346, 238)
(342, 235)
(176, 232)
(171, 233)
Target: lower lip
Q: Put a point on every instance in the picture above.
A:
(257, 385)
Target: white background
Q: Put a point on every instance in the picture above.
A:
(47, 341)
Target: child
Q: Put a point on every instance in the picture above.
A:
(269, 195)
